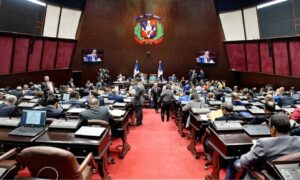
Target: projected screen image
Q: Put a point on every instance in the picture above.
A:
(207, 57)
(92, 55)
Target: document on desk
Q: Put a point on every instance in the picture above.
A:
(289, 171)
(117, 112)
(128, 100)
(76, 110)
(118, 104)
(203, 117)
(14, 122)
(26, 104)
(90, 131)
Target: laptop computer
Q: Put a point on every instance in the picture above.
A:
(228, 99)
(65, 97)
(227, 126)
(296, 96)
(32, 123)
(257, 130)
(65, 124)
(256, 111)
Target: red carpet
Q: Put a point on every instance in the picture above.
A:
(157, 152)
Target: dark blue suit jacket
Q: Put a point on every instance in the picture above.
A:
(116, 98)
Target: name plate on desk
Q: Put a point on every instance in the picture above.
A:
(200, 110)
(63, 124)
(90, 131)
(227, 126)
(75, 110)
(26, 105)
(117, 112)
(6, 122)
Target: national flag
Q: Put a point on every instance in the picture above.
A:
(136, 69)
(160, 70)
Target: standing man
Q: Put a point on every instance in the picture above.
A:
(155, 94)
(137, 92)
(47, 85)
(167, 97)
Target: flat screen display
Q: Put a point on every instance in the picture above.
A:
(207, 57)
(92, 55)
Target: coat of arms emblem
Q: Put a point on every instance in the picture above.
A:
(148, 29)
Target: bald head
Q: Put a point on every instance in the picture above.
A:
(93, 102)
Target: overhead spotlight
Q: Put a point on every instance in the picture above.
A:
(37, 2)
(270, 4)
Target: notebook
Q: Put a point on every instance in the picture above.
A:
(118, 104)
(117, 112)
(75, 110)
(90, 131)
(32, 123)
(6, 122)
(256, 111)
(65, 124)
(227, 126)
(200, 110)
(26, 105)
(239, 108)
(257, 130)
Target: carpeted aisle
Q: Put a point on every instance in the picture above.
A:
(157, 152)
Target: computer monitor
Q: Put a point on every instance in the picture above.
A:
(33, 118)
(66, 97)
(228, 99)
(296, 96)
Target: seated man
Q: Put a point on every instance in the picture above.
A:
(228, 114)
(95, 111)
(186, 97)
(270, 147)
(269, 111)
(52, 109)
(74, 100)
(236, 100)
(114, 96)
(8, 108)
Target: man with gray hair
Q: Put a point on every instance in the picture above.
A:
(95, 111)
(8, 108)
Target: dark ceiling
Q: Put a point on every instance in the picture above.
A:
(229, 5)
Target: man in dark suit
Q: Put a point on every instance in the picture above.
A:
(138, 92)
(155, 94)
(114, 96)
(74, 100)
(228, 114)
(270, 147)
(95, 111)
(236, 100)
(8, 108)
(269, 111)
(52, 109)
(17, 92)
(47, 85)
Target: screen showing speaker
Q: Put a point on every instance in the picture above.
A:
(207, 56)
(92, 55)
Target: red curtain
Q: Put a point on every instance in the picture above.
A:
(281, 58)
(236, 56)
(49, 54)
(252, 57)
(20, 56)
(6, 46)
(266, 59)
(35, 56)
(64, 54)
(295, 58)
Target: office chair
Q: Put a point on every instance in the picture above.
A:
(289, 158)
(55, 163)
(9, 167)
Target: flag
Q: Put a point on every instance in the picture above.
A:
(160, 70)
(136, 69)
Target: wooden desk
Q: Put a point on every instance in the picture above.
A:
(80, 146)
(229, 146)
(196, 124)
(120, 129)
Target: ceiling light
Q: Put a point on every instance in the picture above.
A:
(270, 3)
(37, 2)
